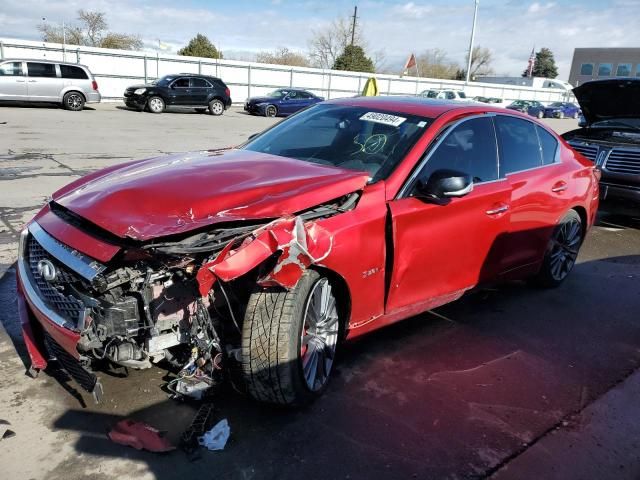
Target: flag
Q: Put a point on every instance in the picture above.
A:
(532, 61)
(411, 62)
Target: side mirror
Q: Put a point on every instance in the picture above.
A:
(582, 122)
(444, 184)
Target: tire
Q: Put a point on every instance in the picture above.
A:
(270, 111)
(561, 252)
(280, 345)
(576, 115)
(540, 114)
(216, 107)
(73, 101)
(155, 104)
(560, 115)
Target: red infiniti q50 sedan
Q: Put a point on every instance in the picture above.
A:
(259, 260)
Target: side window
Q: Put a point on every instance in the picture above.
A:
(451, 96)
(41, 69)
(549, 146)
(519, 147)
(68, 71)
(200, 83)
(11, 69)
(304, 95)
(470, 148)
(293, 94)
(181, 83)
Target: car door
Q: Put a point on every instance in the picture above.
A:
(529, 161)
(43, 82)
(292, 102)
(441, 249)
(180, 92)
(200, 90)
(13, 83)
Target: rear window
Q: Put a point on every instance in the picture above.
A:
(41, 69)
(69, 71)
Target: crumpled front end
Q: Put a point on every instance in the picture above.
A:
(176, 299)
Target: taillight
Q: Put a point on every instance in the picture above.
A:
(227, 91)
(94, 85)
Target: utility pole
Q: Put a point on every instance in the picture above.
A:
(353, 28)
(473, 34)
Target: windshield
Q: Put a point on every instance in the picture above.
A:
(557, 104)
(633, 123)
(277, 94)
(164, 81)
(355, 138)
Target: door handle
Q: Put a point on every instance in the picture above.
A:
(32, 81)
(497, 210)
(559, 187)
(20, 81)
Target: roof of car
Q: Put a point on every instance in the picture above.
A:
(427, 107)
(42, 60)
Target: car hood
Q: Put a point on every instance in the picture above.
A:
(607, 99)
(178, 193)
(262, 99)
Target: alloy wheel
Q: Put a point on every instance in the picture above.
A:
(319, 335)
(217, 108)
(564, 249)
(74, 101)
(156, 105)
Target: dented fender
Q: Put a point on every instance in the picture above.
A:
(297, 243)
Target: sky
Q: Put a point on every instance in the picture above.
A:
(510, 28)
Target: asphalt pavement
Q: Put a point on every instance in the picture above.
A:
(510, 382)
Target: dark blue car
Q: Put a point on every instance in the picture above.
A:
(562, 110)
(283, 101)
(532, 107)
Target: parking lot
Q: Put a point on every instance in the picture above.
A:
(508, 382)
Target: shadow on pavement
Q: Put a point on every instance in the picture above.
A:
(445, 394)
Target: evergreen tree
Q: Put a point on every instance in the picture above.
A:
(545, 65)
(354, 59)
(200, 46)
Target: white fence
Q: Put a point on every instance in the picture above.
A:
(117, 69)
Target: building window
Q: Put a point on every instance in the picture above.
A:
(604, 69)
(586, 69)
(623, 70)
(638, 70)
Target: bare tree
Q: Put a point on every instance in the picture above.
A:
(481, 59)
(328, 43)
(92, 31)
(434, 63)
(95, 26)
(283, 56)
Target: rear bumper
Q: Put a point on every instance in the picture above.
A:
(93, 97)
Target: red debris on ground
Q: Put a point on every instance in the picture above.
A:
(140, 436)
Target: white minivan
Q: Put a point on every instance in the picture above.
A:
(67, 84)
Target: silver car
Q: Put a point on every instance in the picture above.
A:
(68, 84)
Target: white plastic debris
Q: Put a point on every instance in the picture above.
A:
(216, 438)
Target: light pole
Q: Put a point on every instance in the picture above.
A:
(64, 40)
(473, 34)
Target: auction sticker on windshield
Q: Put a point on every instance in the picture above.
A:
(384, 118)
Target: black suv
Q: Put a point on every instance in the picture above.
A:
(610, 135)
(180, 91)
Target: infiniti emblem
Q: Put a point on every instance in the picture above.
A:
(47, 270)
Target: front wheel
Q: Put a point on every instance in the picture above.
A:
(270, 111)
(576, 115)
(562, 251)
(540, 114)
(561, 115)
(156, 105)
(73, 101)
(289, 341)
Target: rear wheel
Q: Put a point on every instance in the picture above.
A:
(270, 111)
(289, 341)
(540, 114)
(576, 115)
(562, 251)
(561, 114)
(216, 107)
(155, 104)
(73, 101)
